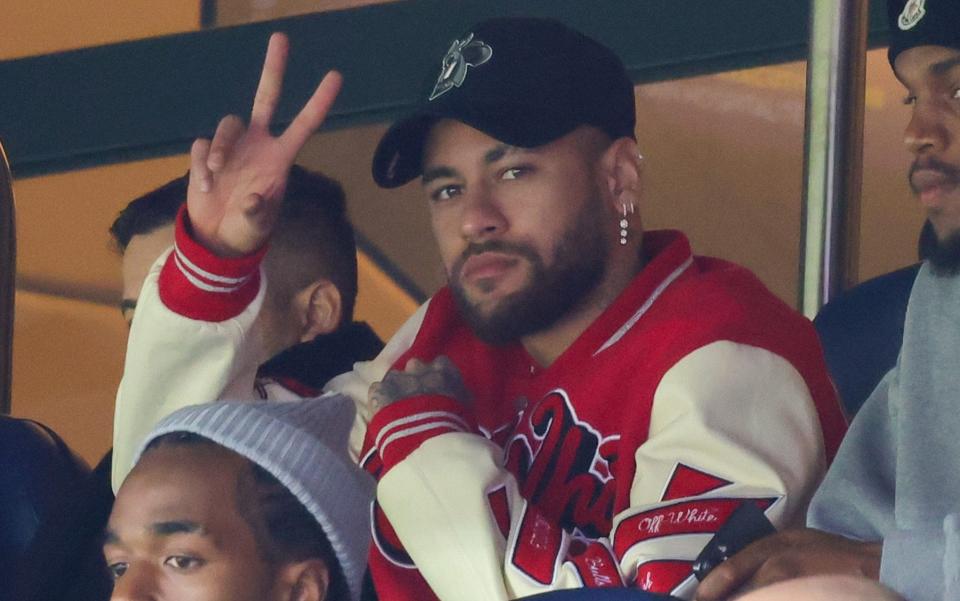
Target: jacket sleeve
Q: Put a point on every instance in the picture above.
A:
(356, 382)
(730, 423)
(192, 340)
(858, 496)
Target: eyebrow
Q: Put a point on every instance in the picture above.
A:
(110, 537)
(495, 154)
(491, 156)
(177, 527)
(161, 529)
(943, 66)
(436, 173)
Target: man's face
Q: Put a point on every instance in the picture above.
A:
(140, 254)
(176, 532)
(931, 75)
(519, 230)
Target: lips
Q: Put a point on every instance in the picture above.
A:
(931, 184)
(486, 265)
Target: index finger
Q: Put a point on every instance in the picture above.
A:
(311, 116)
(271, 81)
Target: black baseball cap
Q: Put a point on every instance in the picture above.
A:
(522, 81)
(922, 23)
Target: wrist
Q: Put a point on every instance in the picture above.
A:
(217, 247)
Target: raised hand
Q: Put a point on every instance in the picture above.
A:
(237, 180)
(439, 377)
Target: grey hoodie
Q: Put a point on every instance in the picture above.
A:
(896, 477)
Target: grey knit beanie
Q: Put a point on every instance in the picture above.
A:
(303, 444)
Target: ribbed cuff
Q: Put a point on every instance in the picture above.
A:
(198, 284)
(400, 428)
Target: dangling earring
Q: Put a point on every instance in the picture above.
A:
(624, 224)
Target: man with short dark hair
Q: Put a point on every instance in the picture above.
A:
(240, 500)
(586, 403)
(889, 508)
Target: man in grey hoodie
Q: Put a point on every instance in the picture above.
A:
(889, 508)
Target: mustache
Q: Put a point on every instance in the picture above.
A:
(949, 172)
(500, 246)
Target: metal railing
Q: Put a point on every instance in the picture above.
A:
(833, 151)
(8, 272)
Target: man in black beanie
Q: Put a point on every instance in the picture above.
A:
(889, 508)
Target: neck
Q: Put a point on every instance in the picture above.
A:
(547, 345)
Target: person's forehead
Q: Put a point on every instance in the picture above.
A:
(923, 62)
(177, 482)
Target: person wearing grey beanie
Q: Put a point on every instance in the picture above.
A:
(243, 500)
(889, 507)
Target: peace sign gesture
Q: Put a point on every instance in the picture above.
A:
(237, 180)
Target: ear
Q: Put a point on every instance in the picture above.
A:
(307, 580)
(320, 308)
(622, 172)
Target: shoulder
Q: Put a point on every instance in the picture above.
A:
(720, 300)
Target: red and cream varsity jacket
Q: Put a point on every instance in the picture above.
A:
(694, 392)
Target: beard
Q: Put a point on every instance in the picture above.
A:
(579, 263)
(943, 254)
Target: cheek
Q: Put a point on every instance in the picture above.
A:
(449, 242)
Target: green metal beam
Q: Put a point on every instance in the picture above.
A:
(152, 97)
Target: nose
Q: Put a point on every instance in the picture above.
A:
(925, 133)
(137, 584)
(482, 216)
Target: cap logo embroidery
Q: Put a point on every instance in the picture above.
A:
(912, 13)
(461, 55)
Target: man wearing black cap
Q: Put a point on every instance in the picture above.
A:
(586, 403)
(889, 507)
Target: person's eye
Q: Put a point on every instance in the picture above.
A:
(956, 94)
(514, 172)
(117, 569)
(910, 100)
(445, 193)
(183, 563)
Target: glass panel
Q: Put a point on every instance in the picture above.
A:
(69, 336)
(724, 156)
(725, 160)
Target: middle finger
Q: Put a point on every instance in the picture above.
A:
(271, 81)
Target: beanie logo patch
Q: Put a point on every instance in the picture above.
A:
(461, 55)
(912, 13)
